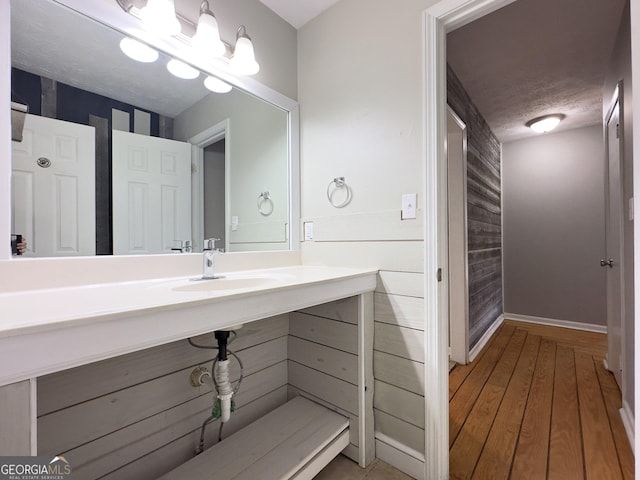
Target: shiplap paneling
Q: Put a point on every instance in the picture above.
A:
(484, 212)
(340, 335)
(400, 403)
(405, 256)
(68, 387)
(399, 310)
(399, 371)
(123, 446)
(362, 227)
(345, 310)
(334, 362)
(401, 283)
(401, 431)
(112, 414)
(166, 458)
(403, 342)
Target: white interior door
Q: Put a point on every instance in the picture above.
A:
(53, 187)
(613, 261)
(457, 223)
(151, 193)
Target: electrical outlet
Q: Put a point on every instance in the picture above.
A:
(409, 207)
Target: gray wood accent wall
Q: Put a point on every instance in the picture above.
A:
(323, 360)
(484, 213)
(137, 416)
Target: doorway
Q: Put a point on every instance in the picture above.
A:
(214, 191)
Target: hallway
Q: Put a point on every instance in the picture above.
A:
(537, 403)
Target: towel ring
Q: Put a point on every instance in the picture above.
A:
(265, 204)
(338, 183)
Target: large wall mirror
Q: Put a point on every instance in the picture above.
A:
(121, 157)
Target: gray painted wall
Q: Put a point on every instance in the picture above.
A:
(620, 69)
(553, 226)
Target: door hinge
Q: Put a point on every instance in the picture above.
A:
(617, 130)
(439, 275)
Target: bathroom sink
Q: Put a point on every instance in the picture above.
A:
(227, 283)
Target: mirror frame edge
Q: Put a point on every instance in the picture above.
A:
(112, 16)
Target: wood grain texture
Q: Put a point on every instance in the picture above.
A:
(339, 335)
(15, 419)
(402, 342)
(557, 419)
(531, 456)
(399, 372)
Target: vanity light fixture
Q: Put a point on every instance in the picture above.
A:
(182, 70)
(243, 61)
(216, 85)
(160, 16)
(545, 123)
(207, 37)
(138, 50)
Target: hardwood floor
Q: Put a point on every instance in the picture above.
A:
(537, 403)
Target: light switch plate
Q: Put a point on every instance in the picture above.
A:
(234, 223)
(308, 231)
(409, 207)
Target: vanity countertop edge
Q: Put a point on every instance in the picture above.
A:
(44, 331)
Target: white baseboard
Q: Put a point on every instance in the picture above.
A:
(628, 421)
(477, 348)
(399, 456)
(588, 327)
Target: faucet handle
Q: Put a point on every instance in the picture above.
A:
(210, 243)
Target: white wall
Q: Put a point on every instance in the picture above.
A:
(360, 92)
(553, 220)
(259, 161)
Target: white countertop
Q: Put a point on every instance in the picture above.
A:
(51, 329)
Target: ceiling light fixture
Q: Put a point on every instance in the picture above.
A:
(545, 123)
(243, 60)
(138, 50)
(182, 70)
(216, 85)
(207, 37)
(160, 16)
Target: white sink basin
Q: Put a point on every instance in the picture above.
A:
(231, 282)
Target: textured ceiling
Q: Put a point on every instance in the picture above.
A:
(535, 57)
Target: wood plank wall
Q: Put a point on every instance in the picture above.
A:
(484, 212)
(394, 247)
(137, 417)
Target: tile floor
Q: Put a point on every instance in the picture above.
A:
(342, 468)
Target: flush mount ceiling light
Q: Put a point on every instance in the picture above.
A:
(243, 61)
(216, 85)
(160, 16)
(182, 70)
(546, 123)
(207, 37)
(138, 51)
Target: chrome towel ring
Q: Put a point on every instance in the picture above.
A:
(265, 204)
(338, 183)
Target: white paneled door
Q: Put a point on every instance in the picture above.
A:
(151, 193)
(613, 260)
(53, 187)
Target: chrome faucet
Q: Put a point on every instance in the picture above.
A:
(208, 255)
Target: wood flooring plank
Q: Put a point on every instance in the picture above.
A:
(532, 452)
(497, 454)
(599, 446)
(468, 445)
(613, 402)
(565, 439)
(461, 372)
(466, 395)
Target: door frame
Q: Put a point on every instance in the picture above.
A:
(441, 18)
(200, 141)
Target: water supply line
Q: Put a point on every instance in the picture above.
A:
(223, 404)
